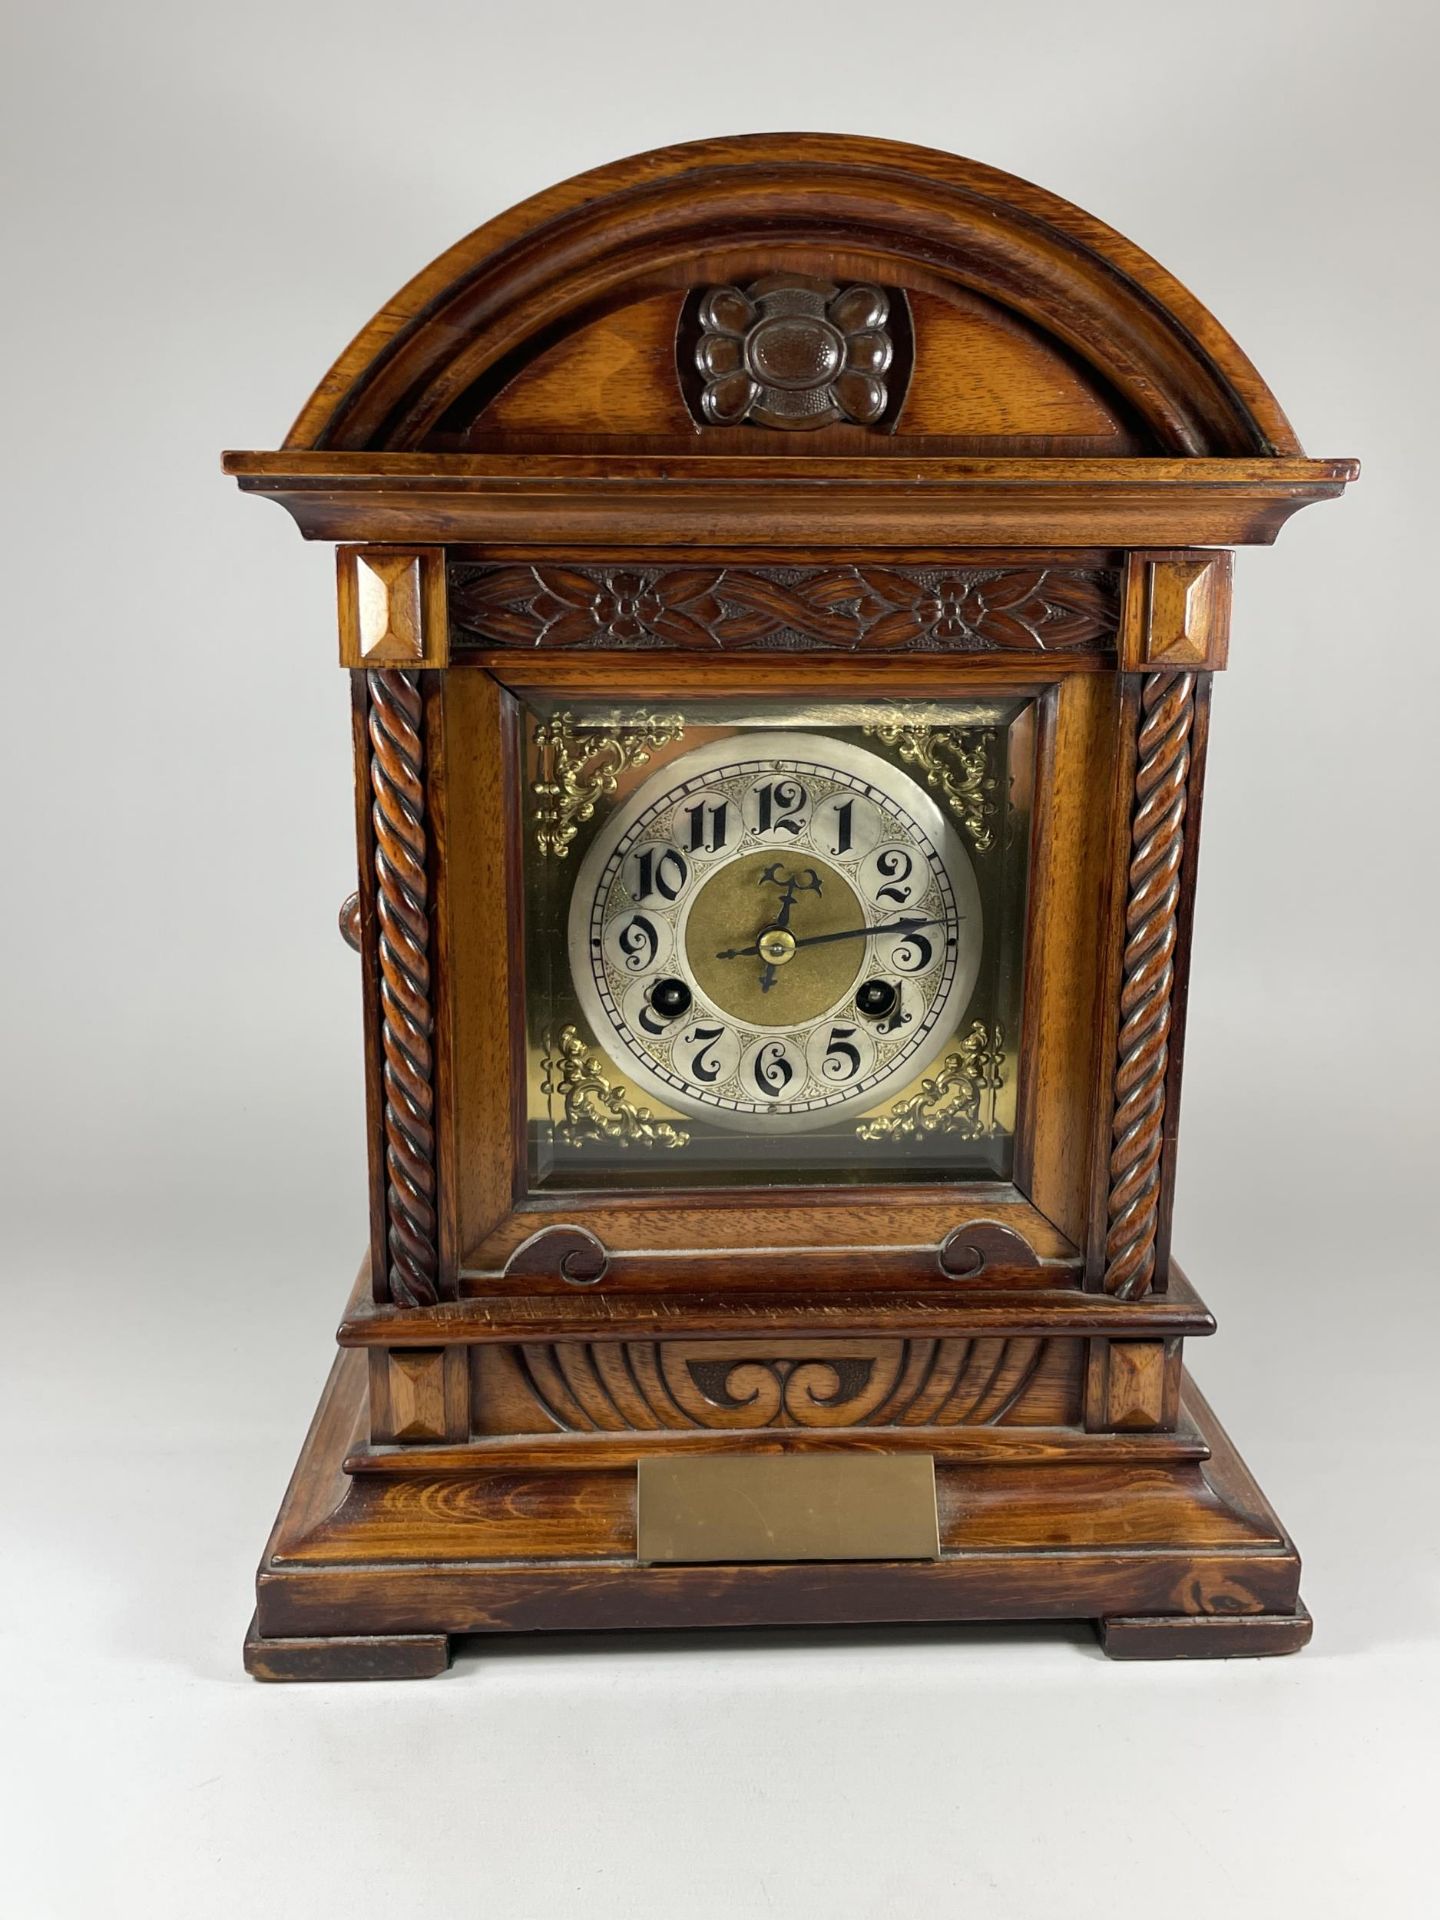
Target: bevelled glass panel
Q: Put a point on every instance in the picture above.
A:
(771, 942)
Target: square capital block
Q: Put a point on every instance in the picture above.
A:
(392, 606)
(418, 1395)
(1176, 612)
(1139, 1383)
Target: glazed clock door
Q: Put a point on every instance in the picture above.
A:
(769, 943)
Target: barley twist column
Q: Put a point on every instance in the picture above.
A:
(402, 904)
(1157, 842)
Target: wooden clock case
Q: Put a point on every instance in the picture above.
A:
(1019, 471)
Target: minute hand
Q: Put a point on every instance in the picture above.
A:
(845, 933)
(859, 933)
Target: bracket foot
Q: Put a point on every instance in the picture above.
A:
(1203, 1636)
(390, 1656)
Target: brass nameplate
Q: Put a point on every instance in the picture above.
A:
(799, 1506)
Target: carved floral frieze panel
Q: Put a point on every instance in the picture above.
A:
(844, 609)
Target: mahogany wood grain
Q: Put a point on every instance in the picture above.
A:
(1071, 867)
(360, 1656)
(1190, 1636)
(538, 504)
(687, 214)
(990, 381)
(481, 957)
(600, 1314)
(1126, 1539)
(976, 1446)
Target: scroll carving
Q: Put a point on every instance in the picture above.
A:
(573, 1253)
(650, 1385)
(1157, 841)
(407, 1021)
(968, 1251)
(843, 609)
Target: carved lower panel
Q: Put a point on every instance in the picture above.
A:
(647, 1386)
(844, 609)
(406, 1014)
(1157, 842)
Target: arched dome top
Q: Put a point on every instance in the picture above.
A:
(1036, 329)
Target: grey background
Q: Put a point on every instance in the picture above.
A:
(202, 204)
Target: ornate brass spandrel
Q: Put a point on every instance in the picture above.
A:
(579, 765)
(586, 1106)
(960, 1099)
(956, 763)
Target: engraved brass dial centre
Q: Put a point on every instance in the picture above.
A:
(738, 904)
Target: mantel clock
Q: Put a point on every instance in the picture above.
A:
(780, 581)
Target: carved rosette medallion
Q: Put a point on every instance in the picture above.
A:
(792, 352)
(1157, 844)
(406, 1018)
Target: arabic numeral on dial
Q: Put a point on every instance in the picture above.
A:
(636, 942)
(707, 1053)
(887, 877)
(840, 1054)
(707, 826)
(772, 1069)
(845, 826)
(657, 873)
(777, 807)
(913, 954)
(640, 943)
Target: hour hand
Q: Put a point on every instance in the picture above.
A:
(739, 953)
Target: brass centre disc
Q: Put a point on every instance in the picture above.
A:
(734, 909)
